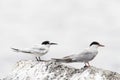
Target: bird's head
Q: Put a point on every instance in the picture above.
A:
(94, 43)
(48, 43)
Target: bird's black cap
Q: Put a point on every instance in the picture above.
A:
(94, 43)
(45, 42)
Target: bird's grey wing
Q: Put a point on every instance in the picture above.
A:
(36, 48)
(85, 56)
(66, 59)
(39, 50)
(70, 56)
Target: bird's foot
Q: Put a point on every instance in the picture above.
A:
(86, 66)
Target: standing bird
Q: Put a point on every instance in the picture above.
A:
(85, 56)
(39, 51)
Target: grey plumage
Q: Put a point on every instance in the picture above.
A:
(85, 56)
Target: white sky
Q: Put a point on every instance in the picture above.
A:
(73, 24)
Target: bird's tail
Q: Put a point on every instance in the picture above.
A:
(18, 50)
(62, 60)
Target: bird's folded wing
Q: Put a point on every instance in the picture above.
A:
(62, 60)
(84, 56)
(70, 56)
(65, 59)
(38, 48)
(87, 54)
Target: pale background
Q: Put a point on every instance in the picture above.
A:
(73, 24)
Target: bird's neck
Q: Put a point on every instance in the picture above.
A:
(95, 47)
(47, 46)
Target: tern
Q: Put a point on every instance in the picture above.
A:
(85, 56)
(39, 50)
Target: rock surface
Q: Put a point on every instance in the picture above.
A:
(50, 70)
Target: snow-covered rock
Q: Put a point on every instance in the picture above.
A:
(50, 70)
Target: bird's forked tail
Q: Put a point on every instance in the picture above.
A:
(16, 50)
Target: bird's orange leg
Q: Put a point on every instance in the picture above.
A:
(88, 64)
(85, 65)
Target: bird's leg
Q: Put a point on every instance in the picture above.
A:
(88, 64)
(85, 65)
(37, 59)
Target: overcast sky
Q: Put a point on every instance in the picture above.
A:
(73, 24)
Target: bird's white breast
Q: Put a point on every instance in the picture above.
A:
(40, 50)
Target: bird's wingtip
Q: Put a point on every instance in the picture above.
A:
(11, 48)
(15, 49)
(53, 59)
